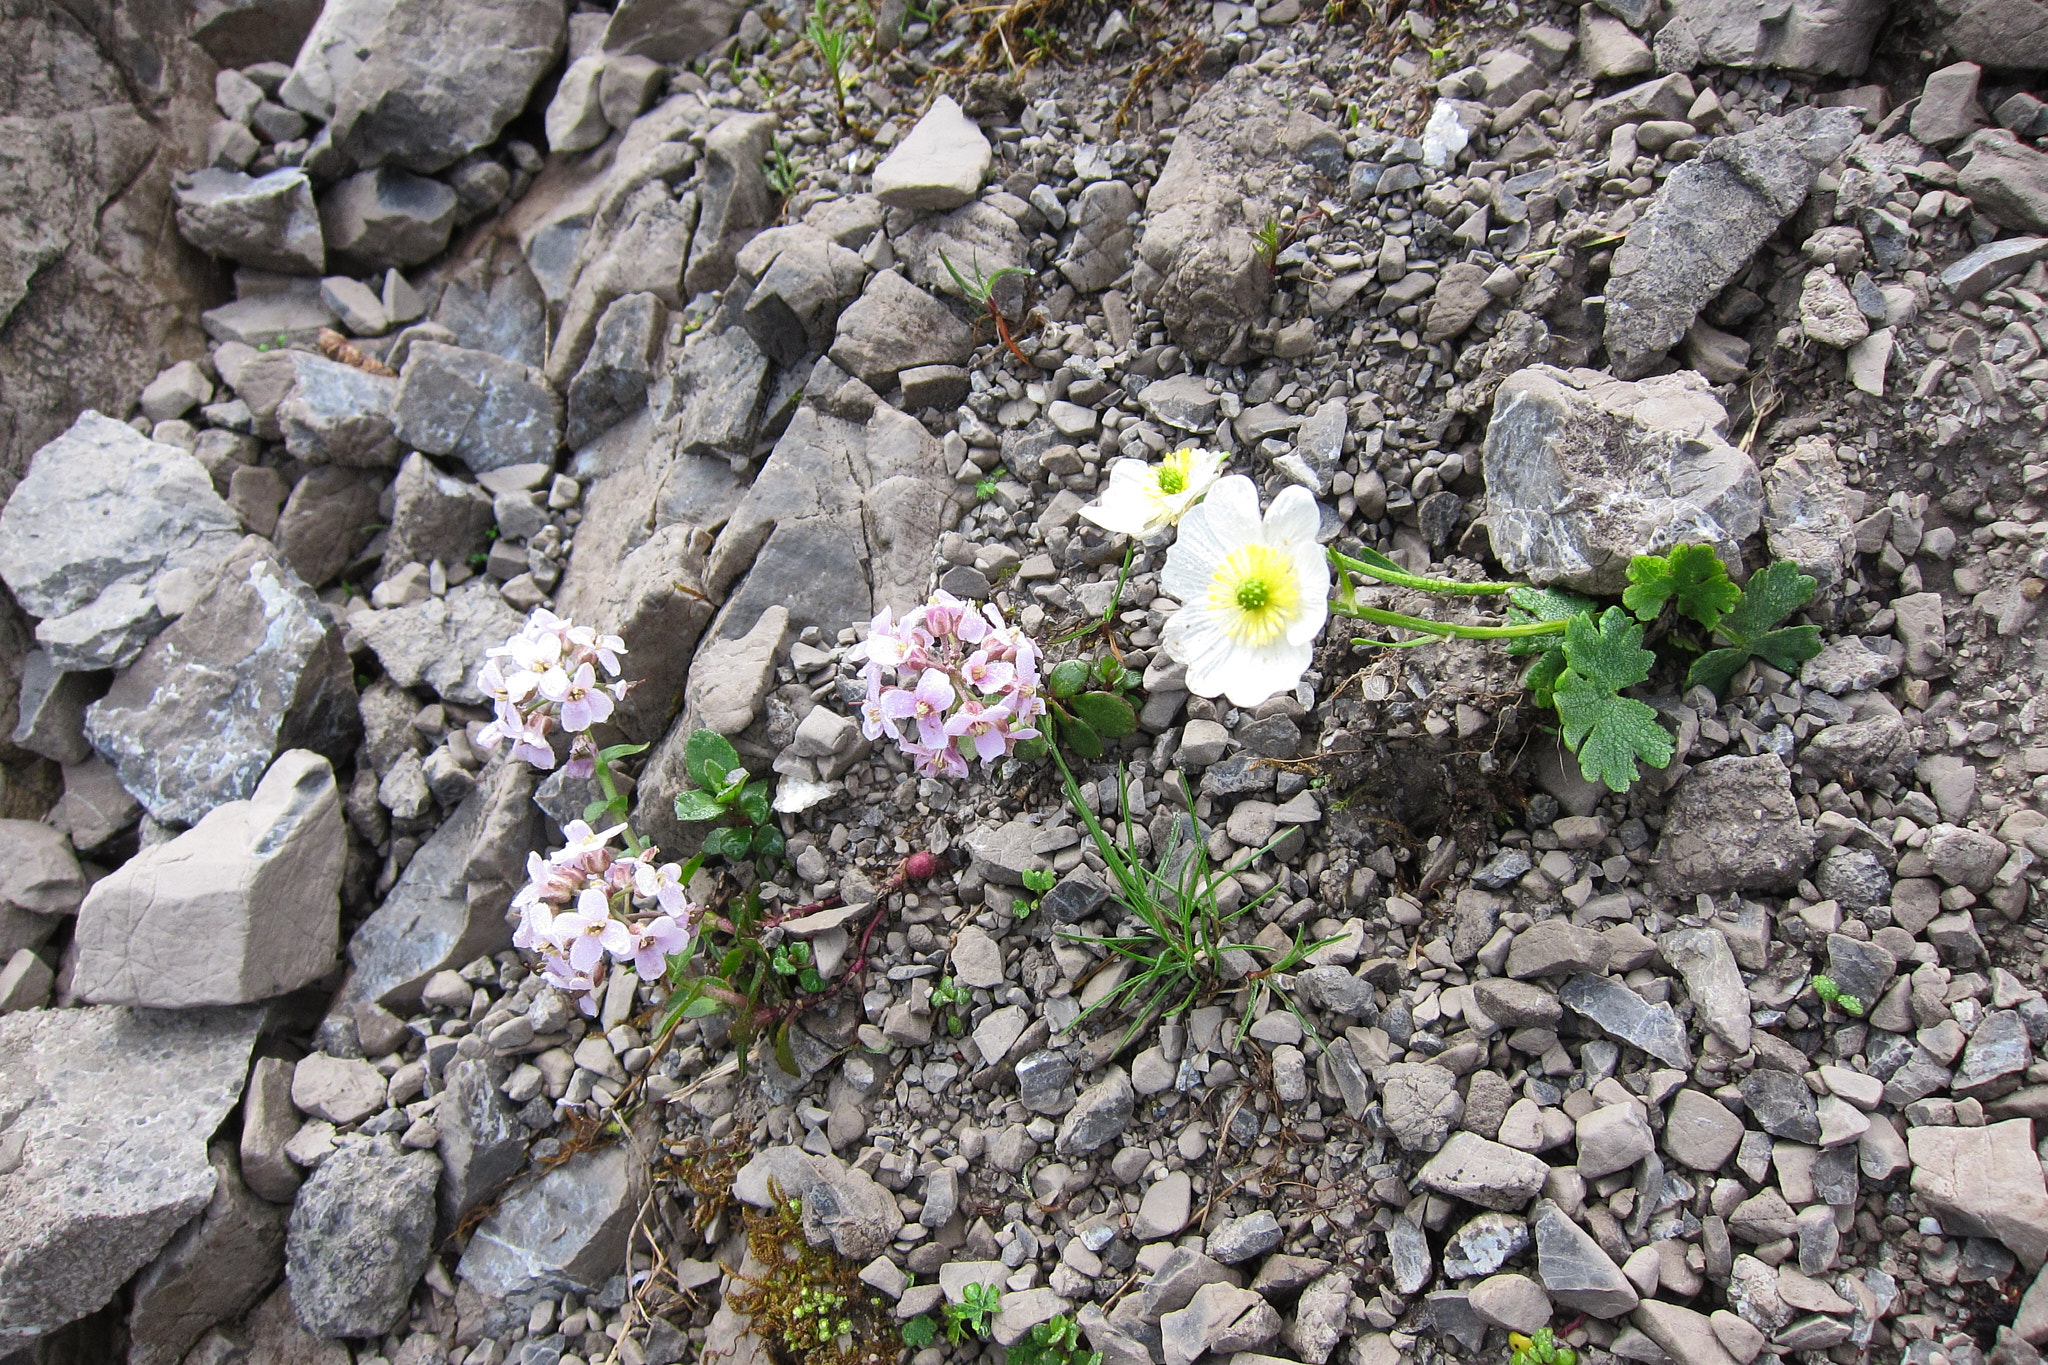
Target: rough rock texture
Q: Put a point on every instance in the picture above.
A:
(842, 1205)
(1586, 471)
(361, 1233)
(483, 409)
(2001, 33)
(1985, 1182)
(103, 104)
(565, 1230)
(449, 904)
(1707, 222)
(109, 1113)
(422, 102)
(253, 669)
(440, 642)
(213, 1271)
(1733, 825)
(1197, 259)
(269, 221)
(1819, 37)
(243, 906)
(939, 164)
(103, 514)
(669, 30)
(483, 1143)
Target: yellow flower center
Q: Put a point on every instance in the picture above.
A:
(1173, 473)
(1254, 595)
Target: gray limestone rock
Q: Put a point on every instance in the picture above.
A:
(1707, 222)
(448, 905)
(939, 164)
(483, 1143)
(433, 517)
(105, 510)
(1101, 249)
(565, 1230)
(268, 222)
(328, 519)
(1484, 1173)
(244, 906)
(213, 1271)
(1420, 1104)
(252, 669)
(2001, 33)
(1819, 37)
(1984, 1182)
(1239, 1239)
(670, 30)
(718, 391)
(1733, 825)
(422, 102)
(1621, 1013)
(1713, 981)
(1781, 1104)
(39, 874)
(440, 642)
(895, 326)
(362, 1231)
(1484, 1243)
(335, 414)
(1807, 511)
(109, 1113)
(1196, 258)
(734, 195)
(1099, 1117)
(388, 217)
(612, 383)
(802, 279)
(1585, 471)
(485, 410)
(1700, 1131)
(1574, 1270)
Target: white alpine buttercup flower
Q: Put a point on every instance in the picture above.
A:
(1255, 592)
(1140, 498)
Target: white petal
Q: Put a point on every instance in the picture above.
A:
(1293, 519)
(1123, 510)
(1231, 511)
(1255, 675)
(1193, 637)
(1312, 573)
(1208, 534)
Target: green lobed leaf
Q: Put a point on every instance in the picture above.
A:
(768, 842)
(1080, 736)
(1692, 575)
(920, 1332)
(1067, 677)
(1527, 605)
(753, 802)
(1609, 733)
(709, 756)
(1713, 669)
(1609, 655)
(697, 805)
(1109, 716)
(1773, 593)
(1541, 679)
(1788, 646)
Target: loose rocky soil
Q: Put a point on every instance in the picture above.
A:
(608, 312)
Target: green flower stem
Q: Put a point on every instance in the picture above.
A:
(603, 768)
(1418, 581)
(1406, 622)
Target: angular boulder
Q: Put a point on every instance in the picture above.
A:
(423, 102)
(252, 669)
(213, 1271)
(566, 1230)
(1707, 222)
(440, 642)
(332, 414)
(1818, 37)
(388, 217)
(1985, 1182)
(362, 1231)
(1733, 825)
(1584, 472)
(269, 222)
(670, 30)
(102, 515)
(104, 1155)
(243, 906)
(482, 409)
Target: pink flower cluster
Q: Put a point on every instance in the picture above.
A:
(966, 685)
(547, 678)
(588, 906)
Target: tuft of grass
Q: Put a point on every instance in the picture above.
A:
(1185, 949)
(834, 45)
(783, 172)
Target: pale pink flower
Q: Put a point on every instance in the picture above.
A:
(652, 943)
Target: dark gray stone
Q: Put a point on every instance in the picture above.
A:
(565, 1230)
(213, 1271)
(109, 1114)
(802, 279)
(1239, 1239)
(1621, 1013)
(268, 222)
(896, 326)
(362, 1231)
(612, 383)
(1860, 968)
(484, 410)
(1099, 1117)
(1812, 36)
(50, 719)
(1573, 1269)
(253, 669)
(332, 413)
(1707, 222)
(388, 217)
(1409, 1255)
(1733, 825)
(483, 1143)
(1996, 1058)
(670, 30)
(434, 517)
(1781, 1104)
(423, 102)
(718, 390)
(1074, 897)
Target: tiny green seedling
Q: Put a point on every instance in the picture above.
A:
(1542, 1349)
(984, 488)
(1270, 240)
(1829, 992)
(833, 45)
(1038, 881)
(782, 173)
(794, 959)
(948, 994)
(981, 290)
(1056, 1341)
(976, 1311)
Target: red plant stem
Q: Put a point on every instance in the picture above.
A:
(1003, 331)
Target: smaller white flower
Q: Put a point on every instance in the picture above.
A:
(1255, 592)
(1142, 497)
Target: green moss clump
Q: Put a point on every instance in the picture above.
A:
(810, 1306)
